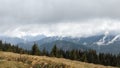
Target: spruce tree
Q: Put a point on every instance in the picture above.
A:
(84, 58)
(1, 45)
(44, 52)
(35, 50)
(54, 51)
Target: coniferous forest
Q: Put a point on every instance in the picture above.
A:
(89, 56)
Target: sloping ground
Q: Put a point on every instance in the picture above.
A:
(13, 60)
(12, 64)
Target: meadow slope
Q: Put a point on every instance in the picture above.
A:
(13, 60)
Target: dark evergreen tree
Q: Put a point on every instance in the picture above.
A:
(84, 58)
(54, 51)
(1, 45)
(117, 61)
(44, 52)
(35, 49)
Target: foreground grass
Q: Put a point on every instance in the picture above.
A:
(12, 64)
(13, 60)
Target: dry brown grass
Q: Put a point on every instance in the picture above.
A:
(32, 61)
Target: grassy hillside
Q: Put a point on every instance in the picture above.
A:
(13, 60)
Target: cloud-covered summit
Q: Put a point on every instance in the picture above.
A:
(58, 17)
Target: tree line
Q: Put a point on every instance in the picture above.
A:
(12, 48)
(90, 56)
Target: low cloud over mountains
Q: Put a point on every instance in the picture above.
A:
(58, 17)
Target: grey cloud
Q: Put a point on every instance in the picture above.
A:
(48, 11)
(16, 14)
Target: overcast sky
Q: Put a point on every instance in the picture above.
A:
(59, 17)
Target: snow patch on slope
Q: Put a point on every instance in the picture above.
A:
(113, 40)
(102, 41)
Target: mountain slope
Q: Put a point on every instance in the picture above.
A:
(27, 61)
(23, 39)
(12, 40)
(62, 44)
(65, 45)
(105, 43)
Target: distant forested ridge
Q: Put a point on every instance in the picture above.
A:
(11, 48)
(89, 56)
